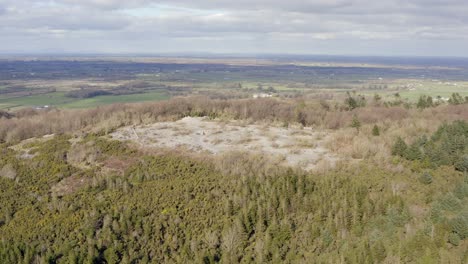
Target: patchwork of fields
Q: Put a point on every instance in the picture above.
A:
(89, 83)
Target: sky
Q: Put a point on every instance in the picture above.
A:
(320, 27)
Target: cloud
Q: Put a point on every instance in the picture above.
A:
(105, 4)
(313, 26)
(61, 18)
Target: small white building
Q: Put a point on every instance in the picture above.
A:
(262, 95)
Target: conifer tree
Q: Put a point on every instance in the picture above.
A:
(376, 131)
(426, 178)
(399, 148)
(413, 152)
(355, 123)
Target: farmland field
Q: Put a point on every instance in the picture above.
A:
(111, 99)
(58, 99)
(52, 99)
(87, 82)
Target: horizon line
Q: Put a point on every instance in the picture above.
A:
(218, 54)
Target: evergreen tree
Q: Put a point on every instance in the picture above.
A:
(377, 98)
(355, 123)
(462, 164)
(454, 239)
(456, 99)
(376, 131)
(351, 103)
(399, 148)
(413, 152)
(426, 178)
(425, 102)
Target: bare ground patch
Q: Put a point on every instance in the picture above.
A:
(70, 185)
(295, 146)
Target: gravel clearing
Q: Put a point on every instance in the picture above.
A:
(302, 147)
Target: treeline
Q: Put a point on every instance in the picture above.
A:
(87, 93)
(425, 101)
(130, 207)
(20, 90)
(29, 123)
(353, 101)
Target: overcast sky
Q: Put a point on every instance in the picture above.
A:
(344, 27)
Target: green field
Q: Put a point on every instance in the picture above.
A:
(51, 99)
(228, 84)
(110, 99)
(58, 99)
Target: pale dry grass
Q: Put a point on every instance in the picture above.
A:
(27, 124)
(216, 141)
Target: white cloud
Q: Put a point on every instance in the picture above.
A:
(313, 26)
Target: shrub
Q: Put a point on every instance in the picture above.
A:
(456, 99)
(352, 102)
(397, 217)
(436, 212)
(399, 148)
(426, 178)
(462, 164)
(460, 226)
(454, 239)
(376, 131)
(355, 123)
(461, 191)
(424, 102)
(450, 203)
(413, 152)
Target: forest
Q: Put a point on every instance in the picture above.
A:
(72, 194)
